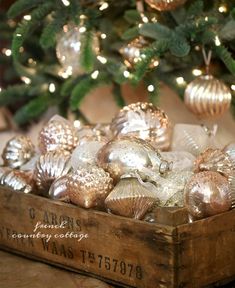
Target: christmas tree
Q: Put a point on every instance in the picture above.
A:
(56, 51)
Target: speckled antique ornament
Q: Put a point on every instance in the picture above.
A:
(129, 154)
(17, 180)
(214, 160)
(59, 189)
(86, 154)
(130, 199)
(193, 138)
(57, 134)
(230, 151)
(207, 194)
(18, 151)
(89, 186)
(92, 133)
(182, 160)
(165, 5)
(133, 50)
(170, 189)
(49, 167)
(144, 121)
(70, 44)
(31, 164)
(207, 96)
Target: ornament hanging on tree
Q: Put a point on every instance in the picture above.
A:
(57, 134)
(165, 5)
(69, 47)
(18, 151)
(144, 121)
(130, 198)
(206, 96)
(207, 194)
(132, 52)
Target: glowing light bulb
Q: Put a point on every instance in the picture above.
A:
(222, 9)
(51, 87)
(26, 80)
(104, 6)
(126, 74)
(102, 59)
(233, 87)
(217, 41)
(95, 74)
(197, 72)
(27, 17)
(7, 52)
(150, 88)
(180, 80)
(82, 29)
(103, 36)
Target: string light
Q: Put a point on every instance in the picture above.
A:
(95, 74)
(197, 48)
(154, 19)
(27, 17)
(51, 87)
(65, 2)
(180, 81)
(77, 124)
(206, 18)
(197, 72)
(103, 36)
(102, 59)
(0, 89)
(222, 9)
(21, 49)
(7, 52)
(104, 6)
(145, 19)
(233, 87)
(26, 80)
(217, 41)
(126, 74)
(150, 88)
(82, 29)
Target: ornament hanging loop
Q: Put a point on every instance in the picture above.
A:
(207, 59)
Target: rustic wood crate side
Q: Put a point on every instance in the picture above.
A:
(127, 251)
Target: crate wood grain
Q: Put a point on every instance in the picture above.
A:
(117, 249)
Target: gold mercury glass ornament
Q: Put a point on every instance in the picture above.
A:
(18, 151)
(126, 155)
(133, 50)
(59, 189)
(130, 199)
(207, 194)
(165, 5)
(146, 121)
(89, 186)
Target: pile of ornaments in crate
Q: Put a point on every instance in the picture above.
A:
(129, 167)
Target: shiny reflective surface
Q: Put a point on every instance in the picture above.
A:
(207, 96)
(89, 186)
(165, 5)
(18, 151)
(130, 199)
(59, 189)
(128, 154)
(206, 194)
(144, 121)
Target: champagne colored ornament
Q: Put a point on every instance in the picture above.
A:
(18, 151)
(49, 167)
(59, 189)
(207, 97)
(89, 186)
(70, 45)
(193, 138)
(207, 194)
(132, 52)
(57, 134)
(128, 154)
(145, 121)
(31, 164)
(86, 154)
(182, 160)
(17, 180)
(214, 160)
(230, 151)
(92, 133)
(165, 5)
(130, 199)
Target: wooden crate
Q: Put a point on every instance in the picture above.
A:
(120, 250)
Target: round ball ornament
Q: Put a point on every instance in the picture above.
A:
(165, 5)
(144, 121)
(207, 97)
(57, 134)
(18, 151)
(70, 45)
(207, 194)
(132, 52)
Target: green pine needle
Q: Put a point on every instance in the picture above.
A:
(20, 6)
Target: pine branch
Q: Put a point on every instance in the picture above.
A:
(20, 6)
(25, 28)
(195, 9)
(85, 86)
(12, 94)
(117, 93)
(87, 57)
(130, 33)
(49, 34)
(226, 57)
